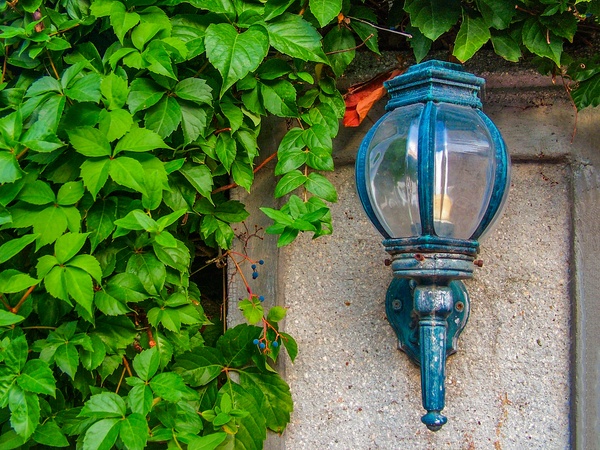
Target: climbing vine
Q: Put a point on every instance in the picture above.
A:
(124, 124)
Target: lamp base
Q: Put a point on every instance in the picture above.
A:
(403, 318)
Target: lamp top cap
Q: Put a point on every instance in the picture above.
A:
(437, 81)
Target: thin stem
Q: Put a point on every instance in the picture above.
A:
(53, 66)
(239, 269)
(25, 296)
(353, 48)
(126, 364)
(256, 169)
(389, 30)
(40, 327)
(22, 153)
(5, 303)
(120, 380)
(4, 64)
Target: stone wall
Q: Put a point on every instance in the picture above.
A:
(527, 370)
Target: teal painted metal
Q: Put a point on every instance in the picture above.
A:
(402, 175)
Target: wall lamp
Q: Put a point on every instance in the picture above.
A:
(432, 175)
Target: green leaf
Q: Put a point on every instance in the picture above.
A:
(199, 176)
(126, 287)
(164, 117)
(252, 428)
(339, 44)
(56, 284)
(199, 367)
(144, 93)
(208, 442)
(15, 354)
(236, 344)
(102, 435)
(87, 263)
(540, 41)
(115, 91)
(292, 35)
(70, 193)
(134, 432)
(277, 402)
(217, 6)
(104, 405)
(226, 149)
(507, 47)
(235, 54)
(280, 98)
(122, 21)
(140, 140)
(587, 93)
(68, 245)
(127, 172)
(472, 35)
(433, 17)
(320, 186)
(242, 174)
(92, 359)
(67, 359)
(171, 387)
(80, 287)
(195, 90)
(37, 193)
(89, 141)
(157, 60)
(100, 221)
(146, 364)
(496, 14)
(289, 182)
(325, 10)
(114, 124)
(276, 314)
(193, 121)
(13, 281)
(563, 25)
(11, 440)
(37, 377)
(290, 345)
(15, 246)
(50, 434)
(95, 174)
(150, 271)
(10, 170)
(85, 89)
(24, 411)
(116, 332)
(176, 257)
(252, 310)
(140, 398)
(7, 318)
(30, 5)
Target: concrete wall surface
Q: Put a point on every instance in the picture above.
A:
(527, 371)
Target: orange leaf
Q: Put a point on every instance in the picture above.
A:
(360, 98)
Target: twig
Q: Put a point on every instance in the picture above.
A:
(4, 64)
(353, 48)
(389, 30)
(121, 379)
(126, 364)
(25, 296)
(22, 153)
(256, 169)
(568, 90)
(53, 66)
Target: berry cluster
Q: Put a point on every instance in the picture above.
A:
(254, 272)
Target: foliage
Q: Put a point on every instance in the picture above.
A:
(123, 125)
(544, 28)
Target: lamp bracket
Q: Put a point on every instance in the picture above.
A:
(399, 305)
